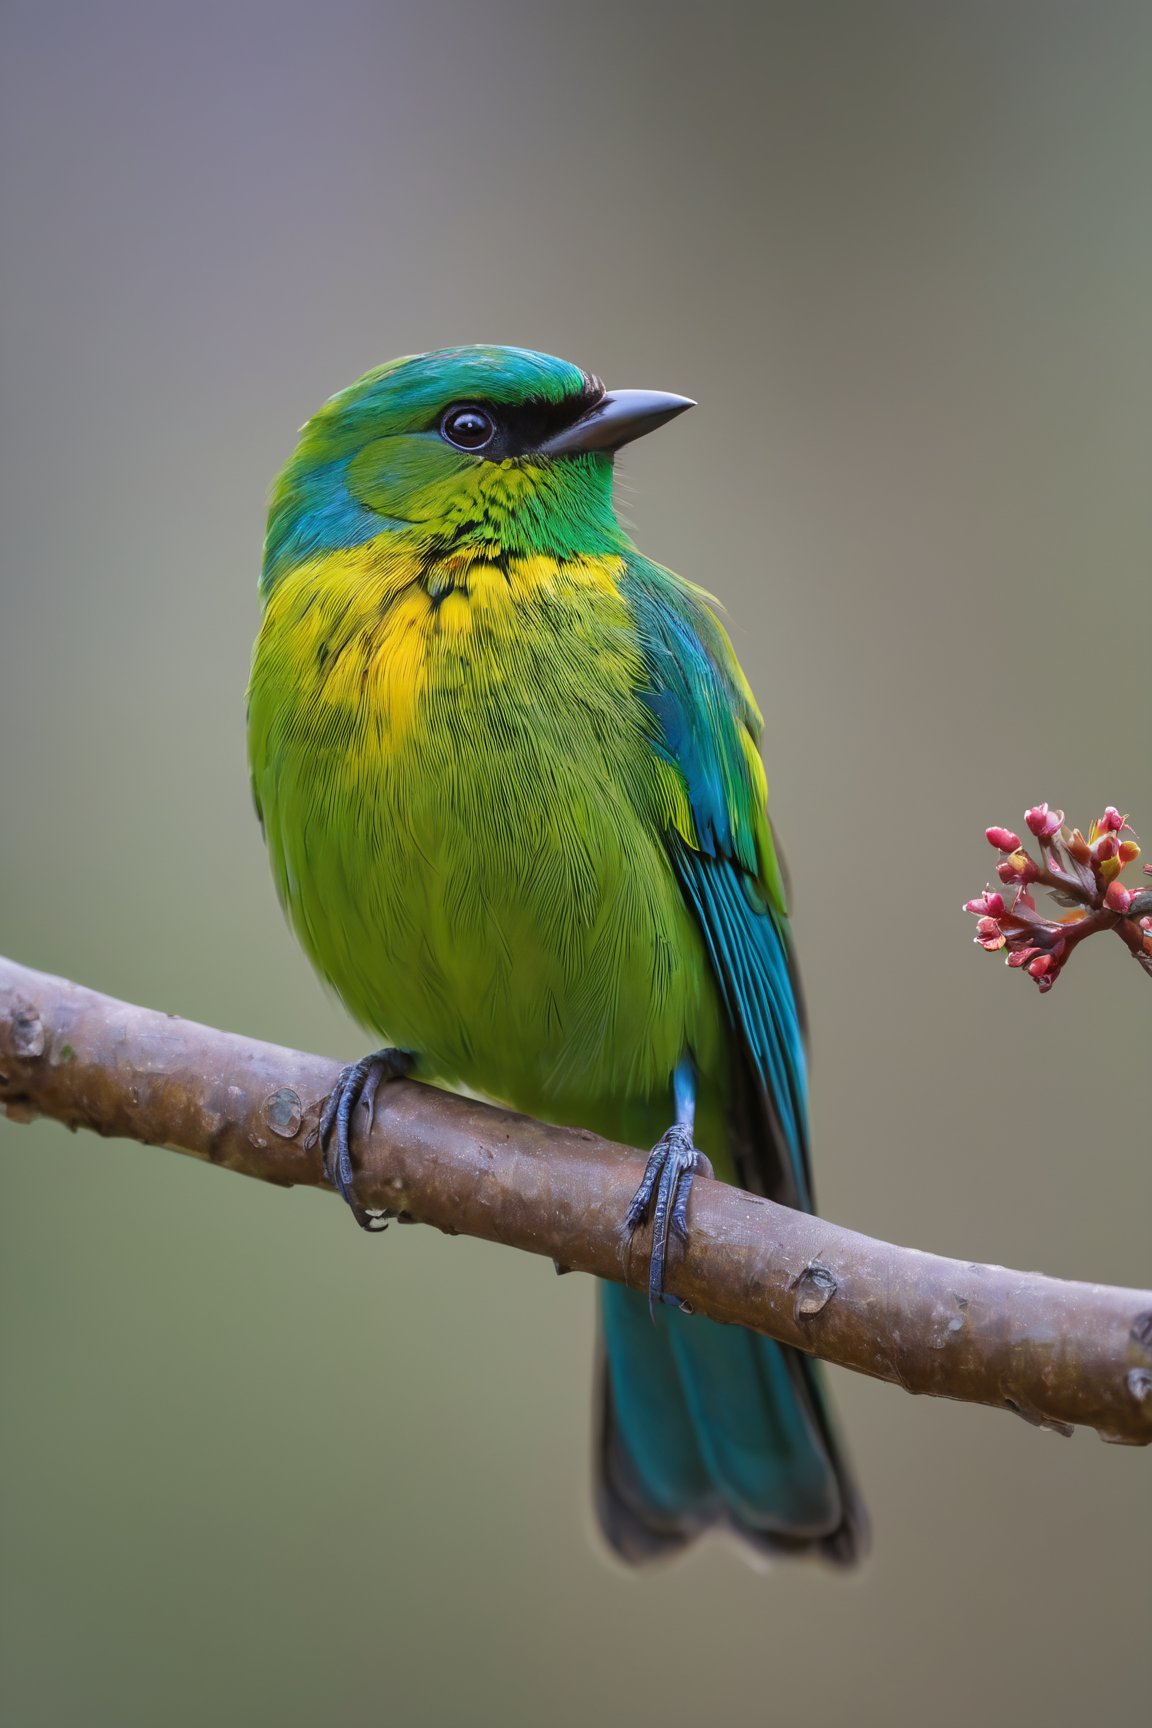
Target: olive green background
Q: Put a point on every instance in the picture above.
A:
(258, 1469)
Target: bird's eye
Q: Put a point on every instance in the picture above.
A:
(469, 428)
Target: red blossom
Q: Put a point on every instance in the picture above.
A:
(1043, 822)
(1019, 868)
(986, 905)
(1081, 873)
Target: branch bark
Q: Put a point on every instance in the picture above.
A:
(1057, 1353)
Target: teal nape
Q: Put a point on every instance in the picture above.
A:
(509, 775)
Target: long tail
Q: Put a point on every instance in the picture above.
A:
(704, 1424)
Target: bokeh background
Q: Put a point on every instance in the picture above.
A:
(258, 1469)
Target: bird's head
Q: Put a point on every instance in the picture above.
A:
(500, 448)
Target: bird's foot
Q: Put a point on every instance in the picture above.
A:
(358, 1084)
(672, 1163)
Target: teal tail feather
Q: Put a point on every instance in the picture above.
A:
(703, 1424)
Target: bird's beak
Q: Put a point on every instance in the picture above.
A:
(618, 417)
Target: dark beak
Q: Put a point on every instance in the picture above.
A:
(616, 419)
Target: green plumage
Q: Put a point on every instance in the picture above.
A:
(508, 775)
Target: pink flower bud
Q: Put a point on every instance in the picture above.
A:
(989, 935)
(1111, 822)
(1117, 898)
(1043, 822)
(1041, 966)
(1003, 839)
(1018, 868)
(1106, 847)
(986, 905)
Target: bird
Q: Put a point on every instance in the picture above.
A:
(509, 777)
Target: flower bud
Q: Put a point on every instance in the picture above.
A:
(1043, 822)
(1003, 839)
(986, 905)
(1117, 898)
(1111, 822)
(1018, 868)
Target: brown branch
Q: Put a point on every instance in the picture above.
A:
(1057, 1353)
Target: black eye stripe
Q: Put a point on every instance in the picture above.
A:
(517, 428)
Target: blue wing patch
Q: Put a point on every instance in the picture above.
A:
(701, 708)
(752, 964)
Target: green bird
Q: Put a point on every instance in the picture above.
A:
(509, 777)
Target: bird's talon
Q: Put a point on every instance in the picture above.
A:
(664, 1190)
(357, 1084)
(701, 1167)
(638, 1208)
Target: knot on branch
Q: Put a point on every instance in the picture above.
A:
(814, 1289)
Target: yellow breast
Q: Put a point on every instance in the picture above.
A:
(366, 634)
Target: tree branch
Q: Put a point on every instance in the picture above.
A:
(1057, 1353)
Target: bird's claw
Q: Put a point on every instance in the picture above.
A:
(663, 1192)
(358, 1084)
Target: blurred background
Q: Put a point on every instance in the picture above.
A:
(258, 1468)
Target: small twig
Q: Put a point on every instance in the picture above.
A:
(1078, 872)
